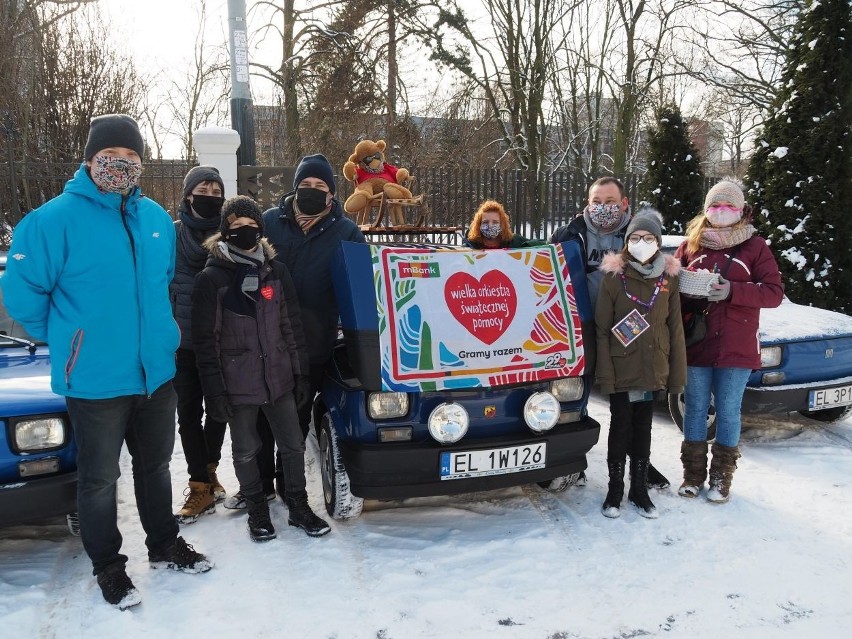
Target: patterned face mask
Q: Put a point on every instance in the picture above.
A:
(491, 231)
(605, 216)
(114, 174)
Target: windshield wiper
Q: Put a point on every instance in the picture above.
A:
(31, 347)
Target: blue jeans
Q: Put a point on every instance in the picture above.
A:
(101, 426)
(727, 386)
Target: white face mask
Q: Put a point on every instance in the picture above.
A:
(642, 251)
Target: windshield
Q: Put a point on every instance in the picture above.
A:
(8, 326)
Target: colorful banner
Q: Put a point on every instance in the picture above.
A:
(451, 319)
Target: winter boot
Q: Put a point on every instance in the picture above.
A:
(612, 504)
(722, 468)
(693, 455)
(199, 500)
(656, 479)
(259, 524)
(117, 588)
(237, 501)
(180, 556)
(218, 489)
(638, 494)
(303, 517)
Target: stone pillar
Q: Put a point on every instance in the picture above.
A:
(217, 146)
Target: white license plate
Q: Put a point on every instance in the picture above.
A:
(495, 461)
(828, 397)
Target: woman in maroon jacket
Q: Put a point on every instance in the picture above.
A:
(722, 240)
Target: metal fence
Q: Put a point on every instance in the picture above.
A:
(452, 195)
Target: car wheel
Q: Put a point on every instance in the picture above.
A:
(676, 408)
(829, 415)
(560, 484)
(339, 502)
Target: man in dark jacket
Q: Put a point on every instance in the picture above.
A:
(198, 219)
(600, 229)
(306, 229)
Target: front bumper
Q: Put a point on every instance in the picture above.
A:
(401, 470)
(38, 498)
(783, 399)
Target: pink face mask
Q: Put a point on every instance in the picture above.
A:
(723, 215)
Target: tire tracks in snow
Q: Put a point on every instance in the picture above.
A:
(63, 581)
(562, 521)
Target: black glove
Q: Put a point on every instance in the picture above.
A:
(302, 391)
(218, 408)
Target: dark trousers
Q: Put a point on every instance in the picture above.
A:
(270, 468)
(202, 444)
(101, 426)
(246, 444)
(629, 428)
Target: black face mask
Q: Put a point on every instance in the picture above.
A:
(311, 201)
(243, 237)
(207, 206)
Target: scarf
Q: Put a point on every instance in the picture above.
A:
(652, 269)
(251, 261)
(719, 239)
(193, 231)
(307, 222)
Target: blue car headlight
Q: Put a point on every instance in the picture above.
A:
(770, 356)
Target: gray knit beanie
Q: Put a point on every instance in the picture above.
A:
(199, 174)
(649, 220)
(240, 206)
(725, 191)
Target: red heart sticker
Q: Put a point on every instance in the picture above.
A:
(484, 306)
(266, 291)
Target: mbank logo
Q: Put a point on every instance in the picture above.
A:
(417, 269)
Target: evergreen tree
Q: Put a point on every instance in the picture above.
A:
(674, 184)
(801, 173)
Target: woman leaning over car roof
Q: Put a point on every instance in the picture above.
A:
(721, 239)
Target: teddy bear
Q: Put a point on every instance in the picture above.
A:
(367, 169)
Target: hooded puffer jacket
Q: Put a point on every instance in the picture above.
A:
(248, 348)
(89, 272)
(732, 339)
(655, 360)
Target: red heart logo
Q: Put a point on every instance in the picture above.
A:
(266, 291)
(484, 306)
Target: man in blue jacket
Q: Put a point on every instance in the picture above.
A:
(89, 273)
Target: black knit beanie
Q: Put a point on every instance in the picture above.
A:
(199, 174)
(240, 206)
(113, 130)
(315, 166)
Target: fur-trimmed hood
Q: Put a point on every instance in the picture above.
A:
(615, 263)
(212, 245)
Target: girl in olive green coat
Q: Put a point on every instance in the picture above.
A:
(640, 351)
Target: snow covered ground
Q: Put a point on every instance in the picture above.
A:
(520, 563)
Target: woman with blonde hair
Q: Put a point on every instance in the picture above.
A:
(722, 240)
(491, 229)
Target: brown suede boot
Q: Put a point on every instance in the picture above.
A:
(693, 455)
(722, 468)
(218, 489)
(199, 500)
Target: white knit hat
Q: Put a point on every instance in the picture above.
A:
(725, 191)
